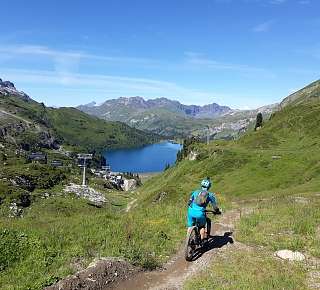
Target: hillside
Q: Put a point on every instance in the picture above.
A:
(308, 93)
(271, 177)
(28, 127)
(23, 120)
(173, 119)
(276, 173)
(85, 131)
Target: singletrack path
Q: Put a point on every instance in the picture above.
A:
(176, 271)
(15, 116)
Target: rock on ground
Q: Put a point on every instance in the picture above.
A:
(289, 255)
(160, 196)
(96, 197)
(302, 200)
(129, 184)
(192, 156)
(14, 210)
(103, 273)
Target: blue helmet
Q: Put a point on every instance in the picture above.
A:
(206, 183)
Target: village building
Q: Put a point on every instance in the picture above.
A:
(56, 163)
(37, 157)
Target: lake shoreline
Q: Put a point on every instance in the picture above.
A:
(144, 176)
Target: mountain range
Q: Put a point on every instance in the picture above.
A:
(173, 119)
(138, 105)
(159, 116)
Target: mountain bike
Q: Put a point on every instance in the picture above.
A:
(193, 240)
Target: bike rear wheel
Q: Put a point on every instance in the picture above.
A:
(191, 243)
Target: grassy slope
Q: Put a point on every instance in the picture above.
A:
(249, 269)
(310, 93)
(240, 173)
(29, 110)
(74, 127)
(58, 232)
(246, 169)
(41, 246)
(82, 130)
(290, 220)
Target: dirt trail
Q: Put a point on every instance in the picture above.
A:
(175, 272)
(29, 124)
(15, 116)
(131, 204)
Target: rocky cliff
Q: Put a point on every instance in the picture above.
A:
(8, 88)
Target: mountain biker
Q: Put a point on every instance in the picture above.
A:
(198, 202)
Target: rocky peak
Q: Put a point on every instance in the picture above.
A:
(6, 84)
(133, 102)
(8, 88)
(91, 104)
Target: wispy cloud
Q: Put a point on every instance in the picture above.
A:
(277, 2)
(58, 55)
(104, 85)
(68, 77)
(201, 61)
(66, 62)
(264, 26)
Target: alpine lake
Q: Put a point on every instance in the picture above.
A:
(146, 159)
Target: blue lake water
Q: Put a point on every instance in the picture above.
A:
(150, 158)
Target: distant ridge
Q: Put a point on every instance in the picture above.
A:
(138, 103)
(172, 119)
(308, 93)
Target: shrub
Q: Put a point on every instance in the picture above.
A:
(258, 121)
(14, 246)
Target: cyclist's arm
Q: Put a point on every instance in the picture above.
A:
(191, 199)
(213, 201)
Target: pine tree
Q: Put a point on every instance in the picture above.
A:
(167, 166)
(259, 121)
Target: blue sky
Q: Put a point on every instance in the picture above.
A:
(241, 53)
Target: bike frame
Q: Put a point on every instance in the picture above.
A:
(191, 244)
